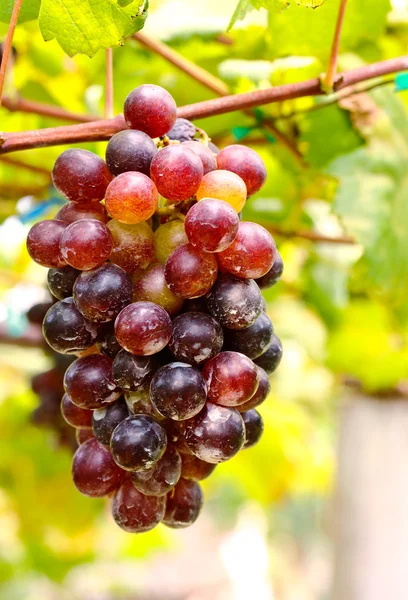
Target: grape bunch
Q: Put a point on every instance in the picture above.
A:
(158, 288)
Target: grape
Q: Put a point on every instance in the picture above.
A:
(79, 418)
(177, 172)
(105, 420)
(253, 340)
(61, 281)
(254, 427)
(152, 287)
(135, 512)
(216, 434)
(66, 330)
(175, 437)
(131, 198)
(106, 340)
(195, 469)
(133, 245)
(130, 150)
(223, 185)
(273, 275)
(151, 109)
(183, 505)
(139, 403)
(190, 273)
(138, 442)
(143, 328)
(271, 358)
(196, 337)
(102, 293)
(161, 477)
(231, 378)
(72, 211)
(167, 238)
(182, 130)
(43, 243)
(246, 163)
(81, 176)
(195, 305)
(235, 303)
(252, 253)
(178, 391)
(211, 225)
(89, 383)
(86, 244)
(260, 395)
(93, 470)
(133, 373)
(203, 152)
(83, 435)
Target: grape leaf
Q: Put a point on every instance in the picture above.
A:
(241, 11)
(28, 12)
(86, 26)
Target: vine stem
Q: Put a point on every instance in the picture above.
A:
(8, 43)
(109, 85)
(328, 79)
(45, 110)
(104, 129)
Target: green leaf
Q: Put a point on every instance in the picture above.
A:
(28, 12)
(86, 26)
(241, 11)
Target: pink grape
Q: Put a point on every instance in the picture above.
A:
(151, 109)
(143, 328)
(86, 244)
(190, 273)
(177, 172)
(81, 176)
(43, 243)
(211, 225)
(246, 163)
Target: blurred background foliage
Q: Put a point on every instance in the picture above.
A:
(340, 308)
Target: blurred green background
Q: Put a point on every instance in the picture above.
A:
(340, 308)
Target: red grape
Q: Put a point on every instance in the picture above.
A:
(252, 253)
(211, 225)
(133, 245)
(131, 198)
(183, 505)
(102, 293)
(273, 275)
(261, 393)
(89, 383)
(253, 340)
(130, 150)
(135, 512)
(79, 418)
(231, 378)
(133, 373)
(167, 238)
(195, 469)
(138, 442)
(190, 273)
(161, 477)
(246, 163)
(72, 211)
(254, 427)
(223, 185)
(177, 172)
(86, 244)
(94, 471)
(235, 303)
(43, 243)
(178, 391)
(61, 281)
(66, 330)
(207, 157)
(271, 358)
(196, 337)
(151, 109)
(143, 328)
(81, 176)
(105, 420)
(152, 287)
(83, 435)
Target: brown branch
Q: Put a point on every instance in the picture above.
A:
(25, 166)
(104, 129)
(8, 43)
(32, 338)
(328, 80)
(45, 110)
(109, 112)
(313, 236)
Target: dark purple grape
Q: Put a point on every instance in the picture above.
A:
(79, 418)
(207, 157)
(235, 303)
(106, 340)
(254, 427)
(231, 378)
(177, 172)
(43, 243)
(270, 359)
(66, 330)
(143, 328)
(195, 305)
(138, 442)
(130, 150)
(195, 469)
(104, 420)
(61, 281)
(196, 337)
(151, 109)
(161, 477)
(135, 512)
(183, 504)
(93, 470)
(246, 163)
(89, 383)
(253, 340)
(260, 395)
(182, 130)
(273, 275)
(86, 244)
(178, 391)
(102, 293)
(133, 373)
(216, 434)
(81, 176)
